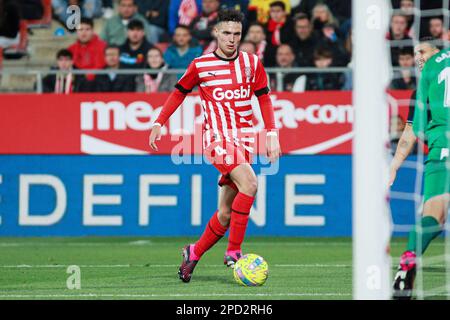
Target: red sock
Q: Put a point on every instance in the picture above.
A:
(240, 212)
(213, 232)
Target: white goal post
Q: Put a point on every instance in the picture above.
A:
(371, 216)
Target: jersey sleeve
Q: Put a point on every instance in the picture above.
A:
(189, 79)
(260, 85)
(420, 113)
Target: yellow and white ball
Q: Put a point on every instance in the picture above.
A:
(251, 270)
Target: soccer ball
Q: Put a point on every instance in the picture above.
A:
(251, 270)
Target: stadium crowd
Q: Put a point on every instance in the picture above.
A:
(162, 34)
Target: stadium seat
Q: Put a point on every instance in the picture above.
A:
(162, 46)
(19, 50)
(46, 19)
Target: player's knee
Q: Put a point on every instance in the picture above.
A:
(250, 186)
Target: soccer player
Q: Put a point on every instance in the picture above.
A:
(429, 117)
(227, 79)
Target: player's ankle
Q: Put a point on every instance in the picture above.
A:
(192, 254)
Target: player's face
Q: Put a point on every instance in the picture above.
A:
(422, 53)
(85, 33)
(228, 36)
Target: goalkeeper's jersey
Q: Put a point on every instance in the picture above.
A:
(434, 88)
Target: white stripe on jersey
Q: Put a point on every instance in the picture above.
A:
(224, 121)
(249, 149)
(248, 130)
(211, 63)
(213, 73)
(248, 139)
(237, 68)
(255, 61)
(233, 120)
(216, 83)
(247, 65)
(242, 120)
(243, 103)
(245, 113)
(213, 120)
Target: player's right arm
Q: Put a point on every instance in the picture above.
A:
(185, 85)
(404, 148)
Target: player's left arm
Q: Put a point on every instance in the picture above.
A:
(261, 90)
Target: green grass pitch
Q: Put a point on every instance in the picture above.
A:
(146, 268)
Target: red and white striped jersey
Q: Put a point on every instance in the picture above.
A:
(226, 87)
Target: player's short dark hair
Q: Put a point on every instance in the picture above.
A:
(87, 21)
(278, 4)
(64, 53)
(135, 24)
(230, 15)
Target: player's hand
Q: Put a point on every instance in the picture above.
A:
(273, 148)
(155, 134)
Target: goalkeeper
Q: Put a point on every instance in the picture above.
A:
(430, 122)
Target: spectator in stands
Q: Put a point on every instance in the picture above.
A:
(87, 53)
(241, 5)
(257, 36)
(115, 29)
(135, 48)
(155, 82)
(89, 9)
(407, 8)
(63, 82)
(88, 50)
(341, 8)
(285, 59)
(398, 32)
(247, 46)
(322, 16)
(107, 9)
(179, 54)
(113, 82)
(436, 28)
(9, 24)
(259, 10)
(279, 30)
(305, 40)
(202, 26)
(405, 79)
(156, 12)
(183, 12)
(323, 58)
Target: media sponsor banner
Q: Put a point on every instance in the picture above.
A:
(108, 124)
(151, 196)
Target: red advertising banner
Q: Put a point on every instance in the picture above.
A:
(309, 123)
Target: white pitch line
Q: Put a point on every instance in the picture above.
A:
(101, 295)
